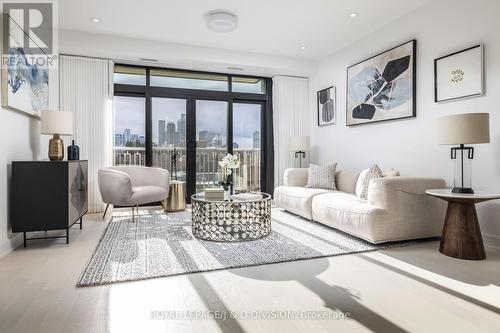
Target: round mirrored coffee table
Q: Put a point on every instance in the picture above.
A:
(231, 220)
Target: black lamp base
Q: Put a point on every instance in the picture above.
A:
(463, 190)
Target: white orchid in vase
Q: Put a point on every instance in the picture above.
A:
(227, 164)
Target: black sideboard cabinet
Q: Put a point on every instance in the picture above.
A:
(48, 195)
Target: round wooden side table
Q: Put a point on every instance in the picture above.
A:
(461, 236)
(176, 201)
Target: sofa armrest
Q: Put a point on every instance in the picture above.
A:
(405, 196)
(410, 212)
(295, 177)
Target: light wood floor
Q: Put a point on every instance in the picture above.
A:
(412, 289)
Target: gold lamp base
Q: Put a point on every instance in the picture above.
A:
(56, 148)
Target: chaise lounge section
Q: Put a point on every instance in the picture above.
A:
(396, 208)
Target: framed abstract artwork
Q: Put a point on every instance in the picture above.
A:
(327, 108)
(383, 87)
(25, 86)
(459, 75)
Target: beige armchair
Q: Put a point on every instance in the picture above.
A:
(132, 186)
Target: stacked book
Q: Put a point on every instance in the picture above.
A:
(247, 196)
(214, 194)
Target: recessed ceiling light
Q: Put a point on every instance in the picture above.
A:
(303, 47)
(220, 21)
(353, 15)
(96, 20)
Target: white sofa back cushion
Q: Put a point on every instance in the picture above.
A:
(346, 181)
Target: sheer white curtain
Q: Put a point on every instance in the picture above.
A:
(86, 89)
(290, 118)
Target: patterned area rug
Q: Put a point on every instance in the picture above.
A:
(159, 245)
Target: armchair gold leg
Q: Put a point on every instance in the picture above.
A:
(133, 214)
(105, 211)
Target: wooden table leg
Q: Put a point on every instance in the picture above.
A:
(461, 233)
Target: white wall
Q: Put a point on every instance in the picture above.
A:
(20, 140)
(174, 55)
(440, 27)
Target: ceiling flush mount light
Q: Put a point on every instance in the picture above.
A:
(303, 47)
(353, 15)
(220, 21)
(95, 20)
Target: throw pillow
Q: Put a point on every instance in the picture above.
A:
(364, 179)
(391, 173)
(361, 181)
(322, 177)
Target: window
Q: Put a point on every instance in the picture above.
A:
(249, 85)
(188, 80)
(186, 122)
(129, 131)
(129, 75)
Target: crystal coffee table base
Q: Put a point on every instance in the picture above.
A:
(231, 221)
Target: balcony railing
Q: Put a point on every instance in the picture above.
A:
(245, 178)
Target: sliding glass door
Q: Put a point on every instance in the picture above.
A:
(211, 141)
(186, 122)
(169, 117)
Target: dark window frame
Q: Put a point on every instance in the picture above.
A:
(191, 95)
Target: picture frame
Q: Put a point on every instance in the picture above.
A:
(459, 75)
(383, 87)
(327, 106)
(25, 85)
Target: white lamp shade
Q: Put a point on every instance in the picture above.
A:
(57, 122)
(298, 143)
(467, 128)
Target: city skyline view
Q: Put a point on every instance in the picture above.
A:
(169, 122)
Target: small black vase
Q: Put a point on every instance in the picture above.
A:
(73, 152)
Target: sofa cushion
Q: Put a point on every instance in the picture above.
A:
(297, 200)
(321, 177)
(147, 194)
(351, 214)
(346, 181)
(390, 173)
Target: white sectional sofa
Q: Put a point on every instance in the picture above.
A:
(396, 207)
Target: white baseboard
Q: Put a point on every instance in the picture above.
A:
(491, 240)
(9, 245)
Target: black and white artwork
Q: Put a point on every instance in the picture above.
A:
(327, 111)
(382, 87)
(459, 75)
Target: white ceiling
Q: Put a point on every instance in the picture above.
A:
(276, 27)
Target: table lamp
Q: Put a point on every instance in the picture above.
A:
(57, 123)
(462, 129)
(299, 145)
